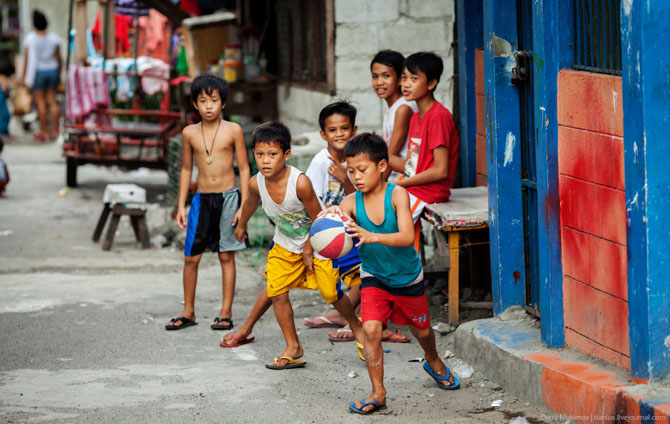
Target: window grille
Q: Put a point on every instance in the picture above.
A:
(597, 36)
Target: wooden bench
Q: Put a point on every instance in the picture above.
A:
(123, 199)
(467, 209)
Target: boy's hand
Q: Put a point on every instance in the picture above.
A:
(332, 210)
(364, 236)
(308, 258)
(182, 222)
(237, 216)
(338, 170)
(240, 234)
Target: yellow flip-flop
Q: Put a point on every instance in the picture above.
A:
(360, 351)
(291, 363)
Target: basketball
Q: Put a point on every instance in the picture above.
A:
(329, 237)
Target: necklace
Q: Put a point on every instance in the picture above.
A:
(211, 149)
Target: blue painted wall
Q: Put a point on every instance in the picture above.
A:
(551, 53)
(503, 155)
(646, 96)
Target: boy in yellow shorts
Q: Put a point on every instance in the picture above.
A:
(288, 199)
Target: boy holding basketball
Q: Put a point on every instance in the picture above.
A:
(391, 271)
(328, 174)
(288, 199)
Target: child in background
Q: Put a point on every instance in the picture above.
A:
(392, 274)
(386, 68)
(288, 199)
(6, 71)
(432, 151)
(213, 144)
(4, 172)
(433, 139)
(328, 173)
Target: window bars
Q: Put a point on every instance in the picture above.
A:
(597, 36)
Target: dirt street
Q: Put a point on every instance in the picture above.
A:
(83, 336)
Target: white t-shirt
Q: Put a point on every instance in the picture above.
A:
(327, 188)
(389, 123)
(41, 53)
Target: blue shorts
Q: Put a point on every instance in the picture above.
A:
(46, 80)
(210, 223)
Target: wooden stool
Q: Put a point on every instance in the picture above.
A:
(137, 219)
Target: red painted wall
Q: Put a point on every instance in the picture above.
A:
(593, 214)
(481, 118)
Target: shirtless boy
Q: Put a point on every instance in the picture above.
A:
(215, 208)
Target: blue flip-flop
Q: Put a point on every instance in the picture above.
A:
(375, 407)
(439, 379)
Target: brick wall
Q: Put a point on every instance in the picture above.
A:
(481, 119)
(593, 214)
(362, 28)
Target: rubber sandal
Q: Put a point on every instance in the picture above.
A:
(440, 380)
(360, 351)
(291, 363)
(336, 336)
(237, 342)
(400, 338)
(323, 322)
(375, 407)
(185, 322)
(217, 324)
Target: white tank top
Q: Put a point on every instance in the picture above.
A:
(292, 223)
(389, 123)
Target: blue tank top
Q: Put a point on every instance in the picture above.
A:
(393, 266)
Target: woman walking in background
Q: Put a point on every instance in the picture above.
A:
(41, 73)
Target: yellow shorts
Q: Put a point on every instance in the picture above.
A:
(352, 277)
(286, 271)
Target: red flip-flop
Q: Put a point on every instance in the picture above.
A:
(238, 342)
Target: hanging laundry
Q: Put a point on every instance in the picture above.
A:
(87, 89)
(123, 82)
(154, 38)
(123, 24)
(155, 75)
(131, 8)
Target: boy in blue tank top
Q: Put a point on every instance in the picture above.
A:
(391, 271)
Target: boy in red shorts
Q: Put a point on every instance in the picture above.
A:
(391, 271)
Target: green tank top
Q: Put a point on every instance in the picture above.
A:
(393, 266)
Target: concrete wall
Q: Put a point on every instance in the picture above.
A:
(480, 148)
(361, 30)
(593, 214)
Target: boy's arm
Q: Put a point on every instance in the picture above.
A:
(243, 166)
(184, 177)
(308, 198)
(398, 138)
(439, 170)
(405, 235)
(248, 208)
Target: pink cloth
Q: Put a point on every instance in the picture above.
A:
(86, 90)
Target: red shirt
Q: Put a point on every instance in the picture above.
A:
(436, 128)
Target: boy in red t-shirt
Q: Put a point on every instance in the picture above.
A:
(433, 139)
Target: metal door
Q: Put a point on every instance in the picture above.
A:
(524, 81)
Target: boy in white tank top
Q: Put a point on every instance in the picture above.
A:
(288, 199)
(386, 69)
